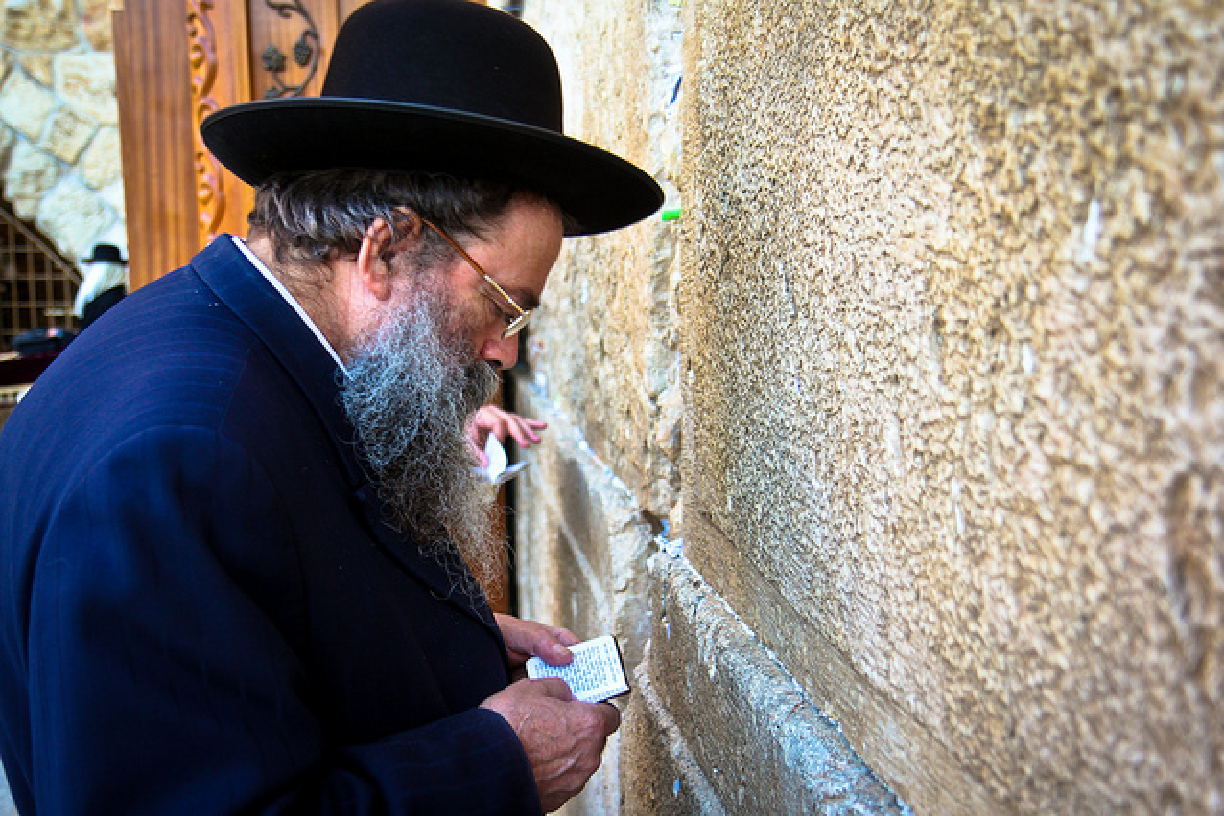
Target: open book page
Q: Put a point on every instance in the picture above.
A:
(597, 673)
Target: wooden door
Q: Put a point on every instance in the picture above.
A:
(176, 62)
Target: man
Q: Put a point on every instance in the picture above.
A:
(103, 283)
(237, 515)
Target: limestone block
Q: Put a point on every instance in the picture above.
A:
(96, 19)
(40, 67)
(7, 137)
(956, 408)
(660, 776)
(72, 215)
(102, 162)
(29, 175)
(606, 339)
(40, 25)
(582, 545)
(113, 195)
(26, 105)
(66, 135)
(87, 83)
(758, 739)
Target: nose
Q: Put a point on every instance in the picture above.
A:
(502, 352)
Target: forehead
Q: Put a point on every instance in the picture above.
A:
(521, 248)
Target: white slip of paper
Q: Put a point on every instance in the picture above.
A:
(596, 674)
(498, 471)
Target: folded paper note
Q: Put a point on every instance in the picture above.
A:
(597, 673)
(498, 472)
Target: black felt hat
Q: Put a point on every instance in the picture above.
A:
(446, 86)
(105, 252)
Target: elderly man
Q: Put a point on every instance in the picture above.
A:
(238, 522)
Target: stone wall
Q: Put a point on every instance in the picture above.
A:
(59, 136)
(945, 323)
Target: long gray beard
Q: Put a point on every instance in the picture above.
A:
(409, 394)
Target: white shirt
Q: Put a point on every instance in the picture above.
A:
(289, 298)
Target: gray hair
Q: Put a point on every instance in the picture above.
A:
(312, 217)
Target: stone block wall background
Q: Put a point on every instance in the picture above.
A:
(60, 164)
(926, 378)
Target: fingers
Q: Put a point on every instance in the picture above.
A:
(553, 687)
(611, 717)
(548, 645)
(563, 738)
(523, 429)
(527, 638)
(502, 424)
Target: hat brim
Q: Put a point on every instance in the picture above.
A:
(597, 189)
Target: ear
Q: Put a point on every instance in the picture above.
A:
(373, 271)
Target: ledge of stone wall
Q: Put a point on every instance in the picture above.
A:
(756, 740)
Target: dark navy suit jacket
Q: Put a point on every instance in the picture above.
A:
(201, 607)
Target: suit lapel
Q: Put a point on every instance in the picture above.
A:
(242, 288)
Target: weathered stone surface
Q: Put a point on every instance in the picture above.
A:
(581, 558)
(7, 137)
(113, 196)
(96, 23)
(66, 135)
(584, 541)
(25, 105)
(102, 163)
(74, 217)
(29, 175)
(950, 413)
(952, 319)
(39, 67)
(40, 25)
(761, 743)
(661, 776)
(606, 340)
(87, 83)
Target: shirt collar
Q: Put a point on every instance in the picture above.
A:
(289, 298)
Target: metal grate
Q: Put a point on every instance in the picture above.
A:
(37, 286)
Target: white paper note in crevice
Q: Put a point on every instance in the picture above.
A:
(498, 471)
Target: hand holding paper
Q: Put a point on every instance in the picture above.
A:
(597, 673)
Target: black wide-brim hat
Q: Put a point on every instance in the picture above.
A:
(446, 86)
(108, 253)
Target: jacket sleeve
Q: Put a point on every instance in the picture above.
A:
(161, 686)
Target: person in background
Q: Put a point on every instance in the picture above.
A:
(104, 282)
(240, 533)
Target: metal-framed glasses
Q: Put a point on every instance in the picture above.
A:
(515, 323)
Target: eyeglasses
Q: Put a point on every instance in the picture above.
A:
(514, 324)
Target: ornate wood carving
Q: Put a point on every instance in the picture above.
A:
(202, 56)
(305, 52)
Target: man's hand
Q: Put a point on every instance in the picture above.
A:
(563, 738)
(493, 420)
(527, 638)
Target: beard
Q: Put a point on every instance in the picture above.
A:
(410, 390)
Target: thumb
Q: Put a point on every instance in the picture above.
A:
(553, 687)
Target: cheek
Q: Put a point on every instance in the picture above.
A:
(475, 322)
